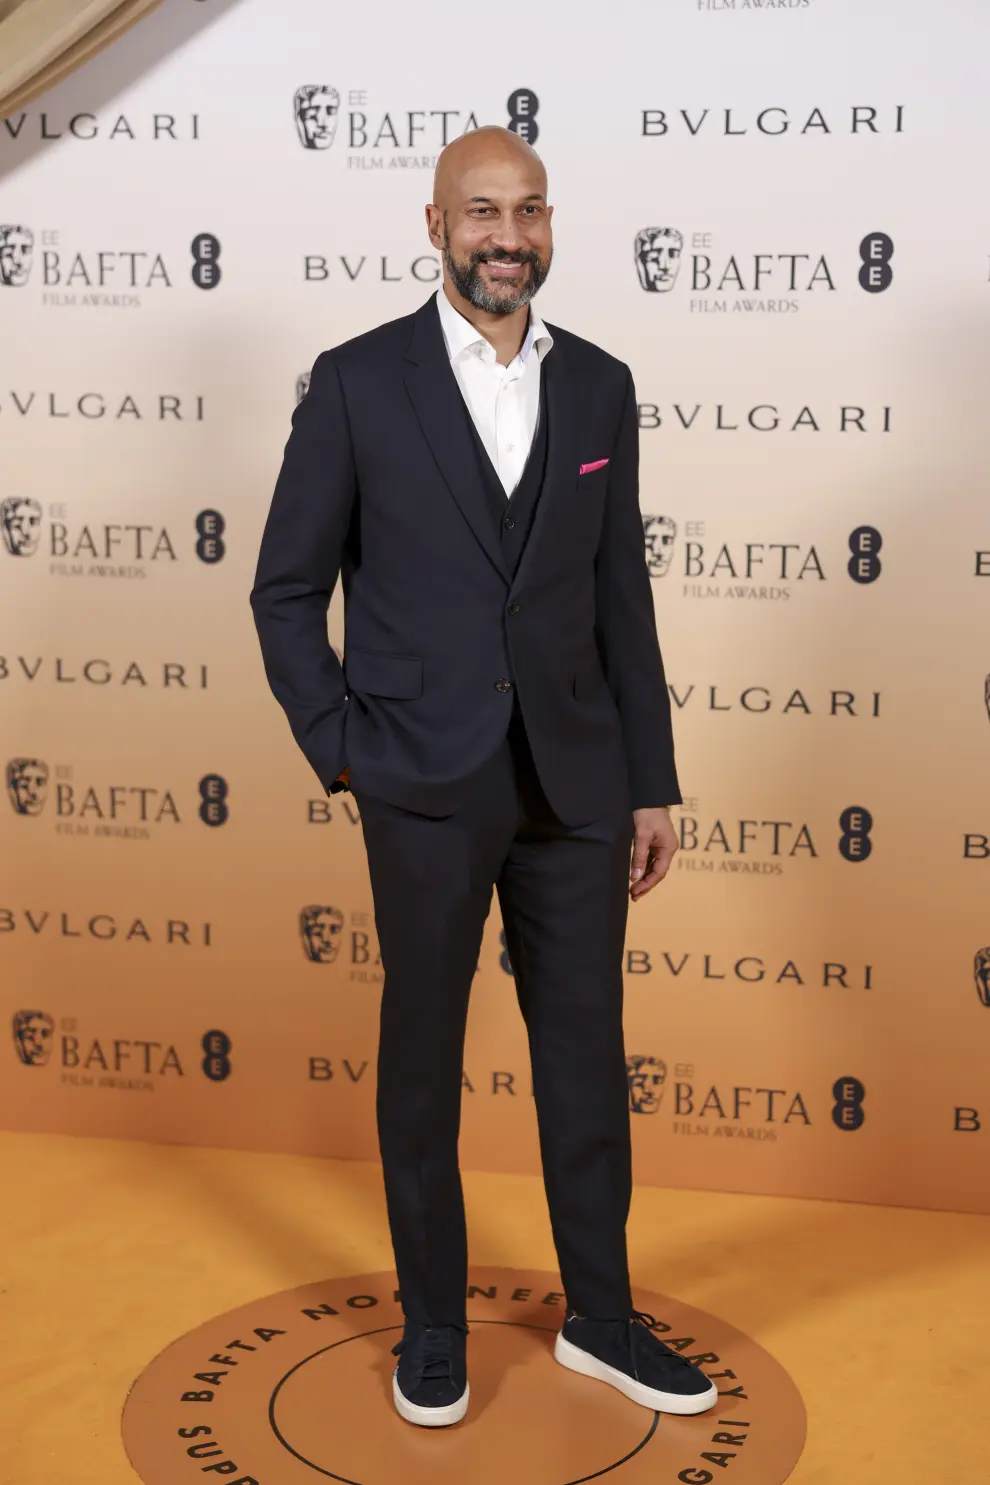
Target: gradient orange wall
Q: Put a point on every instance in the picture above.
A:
(807, 1008)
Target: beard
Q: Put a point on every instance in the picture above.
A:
(496, 299)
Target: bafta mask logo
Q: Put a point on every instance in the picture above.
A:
(302, 386)
(659, 534)
(321, 929)
(33, 1035)
(16, 256)
(27, 785)
(316, 107)
(981, 974)
(20, 523)
(658, 258)
(986, 694)
(646, 1077)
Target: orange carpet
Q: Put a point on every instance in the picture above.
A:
(110, 1250)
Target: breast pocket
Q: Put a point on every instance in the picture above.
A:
(594, 481)
(378, 674)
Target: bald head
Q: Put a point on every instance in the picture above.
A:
(485, 149)
(490, 219)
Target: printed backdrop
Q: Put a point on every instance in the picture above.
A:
(775, 213)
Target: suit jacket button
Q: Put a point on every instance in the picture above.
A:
(513, 608)
(503, 685)
(509, 523)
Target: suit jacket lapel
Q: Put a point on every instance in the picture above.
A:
(440, 408)
(561, 476)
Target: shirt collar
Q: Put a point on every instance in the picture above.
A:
(460, 335)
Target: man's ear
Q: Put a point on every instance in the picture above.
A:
(434, 226)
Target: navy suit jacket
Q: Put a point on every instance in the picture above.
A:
(380, 485)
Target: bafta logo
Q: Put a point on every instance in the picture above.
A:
(646, 1077)
(321, 929)
(33, 1034)
(20, 525)
(981, 974)
(316, 107)
(659, 534)
(16, 256)
(986, 694)
(302, 386)
(658, 258)
(27, 785)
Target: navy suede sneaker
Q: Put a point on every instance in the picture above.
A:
(430, 1385)
(627, 1355)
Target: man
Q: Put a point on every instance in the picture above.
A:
(503, 721)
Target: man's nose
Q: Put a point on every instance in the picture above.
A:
(507, 235)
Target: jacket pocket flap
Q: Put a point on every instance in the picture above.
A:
(377, 674)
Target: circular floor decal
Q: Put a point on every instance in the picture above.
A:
(295, 1389)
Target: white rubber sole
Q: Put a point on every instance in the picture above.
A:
(577, 1360)
(429, 1417)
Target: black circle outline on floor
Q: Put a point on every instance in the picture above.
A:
(345, 1480)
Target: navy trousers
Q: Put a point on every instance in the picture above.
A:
(563, 893)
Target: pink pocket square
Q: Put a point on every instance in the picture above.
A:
(595, 464)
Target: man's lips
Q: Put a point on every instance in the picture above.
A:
(500, 268)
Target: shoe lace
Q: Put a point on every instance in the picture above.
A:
(644, 1319)
(437, 1360)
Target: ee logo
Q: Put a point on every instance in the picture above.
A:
(523, 106)
(216, 1063)
(213, 793)
(864, 565)
(847, 1111)
(206, 272)
(210, 526)
(854, 842)
(876, 274)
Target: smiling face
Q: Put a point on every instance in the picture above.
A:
(491, 221)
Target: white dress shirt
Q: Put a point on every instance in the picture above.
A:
(504, 401)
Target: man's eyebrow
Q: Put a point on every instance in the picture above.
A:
(534, 196)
